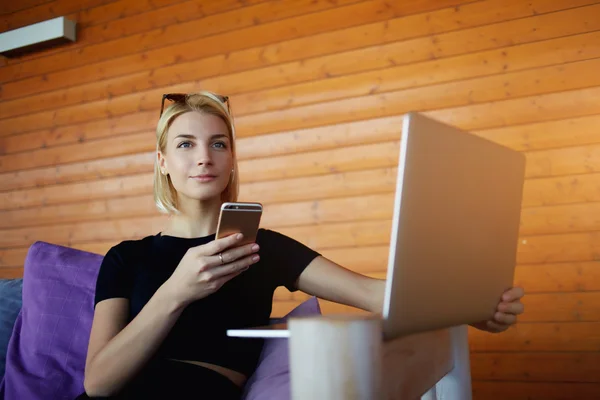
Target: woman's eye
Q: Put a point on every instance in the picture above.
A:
(184, 144)
(220, 145)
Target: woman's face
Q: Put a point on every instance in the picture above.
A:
(198, 156)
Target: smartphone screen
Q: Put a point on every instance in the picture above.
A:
(240, 218)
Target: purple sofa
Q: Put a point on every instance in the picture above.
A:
(45, 357)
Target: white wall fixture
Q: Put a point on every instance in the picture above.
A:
(41, 35)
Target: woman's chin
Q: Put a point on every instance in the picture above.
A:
(203, 196)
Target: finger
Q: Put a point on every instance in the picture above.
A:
(219, 245)
(515, 308)
(506, 319)
(230, 256)
(237, 266)
(236, 253)
(513, 294)
(496, 327)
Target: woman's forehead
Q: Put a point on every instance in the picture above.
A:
(201, 125)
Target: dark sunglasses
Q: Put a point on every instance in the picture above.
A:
(182, 97)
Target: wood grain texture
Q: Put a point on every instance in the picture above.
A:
(444, 68)
(539, 337)
(319, 90)
(123, 18)
(545, 367)
(501, 390)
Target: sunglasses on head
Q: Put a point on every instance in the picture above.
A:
(182, 97)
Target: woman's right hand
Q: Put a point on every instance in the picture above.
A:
(201, 271)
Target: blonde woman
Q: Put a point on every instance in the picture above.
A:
(163, 303)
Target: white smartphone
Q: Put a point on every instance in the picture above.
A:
(240, 218)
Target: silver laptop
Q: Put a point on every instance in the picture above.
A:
(455, 229)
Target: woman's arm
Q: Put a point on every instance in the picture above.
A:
(330, 281)
(327, 280)
(117, 350)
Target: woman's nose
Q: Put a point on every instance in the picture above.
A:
(203, 155)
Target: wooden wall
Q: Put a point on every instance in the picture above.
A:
(318, 89)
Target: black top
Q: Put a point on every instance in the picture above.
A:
(135, 269)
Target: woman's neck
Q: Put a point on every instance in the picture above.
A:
(196, 220)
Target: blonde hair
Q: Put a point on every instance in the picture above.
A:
(165, 194)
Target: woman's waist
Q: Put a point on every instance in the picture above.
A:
(237, 377)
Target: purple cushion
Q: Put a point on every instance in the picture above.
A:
(271, 380)
(46, 353)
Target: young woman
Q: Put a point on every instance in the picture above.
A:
(164, 302)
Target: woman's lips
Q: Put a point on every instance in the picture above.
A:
(203, 178)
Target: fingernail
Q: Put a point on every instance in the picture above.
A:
(239, 236)
(255, 247)
(255, 258)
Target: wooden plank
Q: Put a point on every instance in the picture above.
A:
(545, 80)
(115, 10)
(101, 189)
(125, 18)
(11, 273)
(133, 123)
(552, 367)
(13, 258)
(566, 161)
(483, 87)
(70, 234)
(527, 337)
(562, 307)
(570, 247)
(70, 8)
(13, 7)
(547, 134)
(127, 207)
(95, 152)
(560, 277)
(477, 116)
(502, 390)
(505, 59)
(78, 172)
(560, 219)
(295, 18)
(561, 190)
(408, 26)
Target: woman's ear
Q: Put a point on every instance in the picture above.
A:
(162, 163)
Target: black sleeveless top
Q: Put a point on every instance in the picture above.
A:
(135, 269)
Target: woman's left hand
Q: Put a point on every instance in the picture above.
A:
(506, 313)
